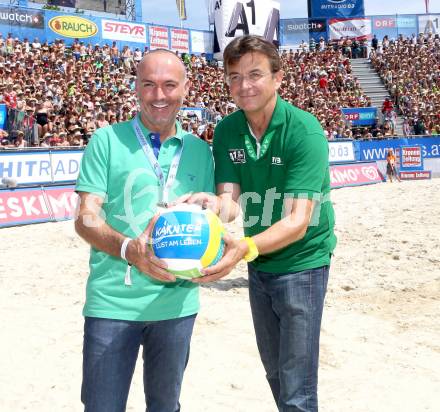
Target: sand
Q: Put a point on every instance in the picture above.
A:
(380, 342)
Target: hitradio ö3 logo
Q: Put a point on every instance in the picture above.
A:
(337, 1)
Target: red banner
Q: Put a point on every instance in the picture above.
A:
(415, 175)
(355, 174)
(25, 206)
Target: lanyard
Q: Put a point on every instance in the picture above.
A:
(264, 146)
(149, 154)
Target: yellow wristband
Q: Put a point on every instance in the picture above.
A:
(252, 253)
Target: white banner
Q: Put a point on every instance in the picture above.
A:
(201, 41)
(179, 40)
(341, 152)
(235, 18)
(429, 23)
(124, 31)
(354, 28)
(40, 167)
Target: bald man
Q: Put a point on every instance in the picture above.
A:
(128, 170)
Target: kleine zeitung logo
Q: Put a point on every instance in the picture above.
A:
(72, 26)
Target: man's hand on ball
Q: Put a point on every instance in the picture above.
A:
(234, 251)
(139, 254)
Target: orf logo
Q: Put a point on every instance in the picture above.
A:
(72, 26)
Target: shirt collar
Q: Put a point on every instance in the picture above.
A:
(179, 131)
(276, 120)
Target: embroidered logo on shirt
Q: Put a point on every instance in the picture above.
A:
(277, 161)
(237, 156)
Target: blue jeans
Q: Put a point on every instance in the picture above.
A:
(110, 351)
(287, 311)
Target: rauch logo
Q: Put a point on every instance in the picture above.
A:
(72, 26)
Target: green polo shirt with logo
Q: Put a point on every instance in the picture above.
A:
(294, 165)
(115, 167)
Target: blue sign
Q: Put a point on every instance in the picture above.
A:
(294, 31)
(377, 150)
(360, 116)
(3, 116)
(337, 8)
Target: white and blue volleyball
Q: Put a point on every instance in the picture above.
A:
(188, 238)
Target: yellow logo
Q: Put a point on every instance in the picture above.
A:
(72, 26)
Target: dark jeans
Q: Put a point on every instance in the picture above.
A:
(109, 357)
(287, 312)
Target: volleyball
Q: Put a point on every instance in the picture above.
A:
(188, 238)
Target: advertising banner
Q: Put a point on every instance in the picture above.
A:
(414, 175)
(35, 205)
(159, 38)
(411, 158)
(22, 17)
(377, 150)
(201, 41)
(72, 27)
(358, 29)
(40, 167)
(341, 152)
(336, 8)
(392, 26)
(293, 31)
(355, 174)
(429, 23)
(235, 18)
(360, 116)
(180, 40)
(124, 31)
(3, 116)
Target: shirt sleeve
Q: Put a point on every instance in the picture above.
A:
(307, 167)
(93, 173)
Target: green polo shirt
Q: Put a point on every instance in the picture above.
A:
(294, 165)
(115, 167)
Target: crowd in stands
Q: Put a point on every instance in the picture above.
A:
(410, 69)
(60, 95)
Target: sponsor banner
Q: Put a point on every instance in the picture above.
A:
(377, 150)
(159, 38)
(406, 22)
(429, 23)
(123, 31)
(360, 116)
(415, 175)
(40, 167)
(411, 158)
(191, 113)
(180, 40)
(336, 8)
(73, 27)
(358, 29)
(385, 22)
(235, 18)
(355, 174)
(3, 116)
(22, 17)
(293, 31)
(201, 41)
(36, 205)
(341, 152)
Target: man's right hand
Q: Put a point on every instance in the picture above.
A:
(140, 254)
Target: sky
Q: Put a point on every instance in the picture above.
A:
(197, 12)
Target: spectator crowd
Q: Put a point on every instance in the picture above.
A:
(410, 69)
(58, 94)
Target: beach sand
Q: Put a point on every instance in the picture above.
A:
(380, 341)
